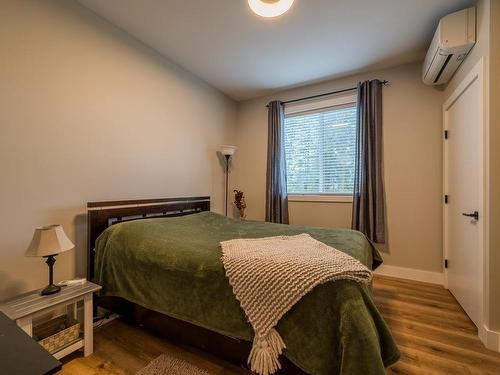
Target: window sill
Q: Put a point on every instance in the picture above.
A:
(320, 198)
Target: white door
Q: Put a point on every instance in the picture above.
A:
(463, 114)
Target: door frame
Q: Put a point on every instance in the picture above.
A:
(475, 74)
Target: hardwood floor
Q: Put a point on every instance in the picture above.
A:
(434, 335)
(123, 349)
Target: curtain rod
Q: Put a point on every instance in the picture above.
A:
(383, 83)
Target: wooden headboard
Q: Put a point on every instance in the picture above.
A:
(101, 215)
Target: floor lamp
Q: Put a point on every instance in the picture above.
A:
(227, 151)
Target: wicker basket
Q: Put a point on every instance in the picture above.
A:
(57, 333)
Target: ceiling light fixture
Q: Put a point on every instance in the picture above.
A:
(270, 8)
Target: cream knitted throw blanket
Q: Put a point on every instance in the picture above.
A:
(269, 275)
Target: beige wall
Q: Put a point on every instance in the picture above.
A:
(319, 214)
(413, 165)
(87, 113)
(494, 265)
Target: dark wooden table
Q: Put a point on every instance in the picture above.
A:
(20, 354)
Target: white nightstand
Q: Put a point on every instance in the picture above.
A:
(30, 305)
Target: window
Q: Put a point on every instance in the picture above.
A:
(320, 140)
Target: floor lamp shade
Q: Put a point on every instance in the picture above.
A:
(228, 150)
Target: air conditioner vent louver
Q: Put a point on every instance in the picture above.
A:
(442, 69)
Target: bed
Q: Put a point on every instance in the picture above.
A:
(162, 257)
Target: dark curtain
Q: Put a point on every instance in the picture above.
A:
(368, 213)
(276, 195)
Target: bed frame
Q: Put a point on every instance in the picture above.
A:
(100, 216)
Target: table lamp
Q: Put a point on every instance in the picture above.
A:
(47, 242)
(228, 152)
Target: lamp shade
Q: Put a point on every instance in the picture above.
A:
(227, 150)
(49, 240)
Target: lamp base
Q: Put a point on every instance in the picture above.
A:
(50, 289)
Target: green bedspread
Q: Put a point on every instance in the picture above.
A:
(173, 266)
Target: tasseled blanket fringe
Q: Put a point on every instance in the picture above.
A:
(263, 358)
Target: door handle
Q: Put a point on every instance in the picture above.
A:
(474, 215)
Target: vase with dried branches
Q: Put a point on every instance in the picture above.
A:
(239, 202)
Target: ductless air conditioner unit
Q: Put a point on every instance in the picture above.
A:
(452, 42)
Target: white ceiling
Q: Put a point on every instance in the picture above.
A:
(246, 56)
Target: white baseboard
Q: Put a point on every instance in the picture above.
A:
(490, 339)
(410, 274)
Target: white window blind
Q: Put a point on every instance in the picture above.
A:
(320, 150)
